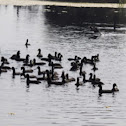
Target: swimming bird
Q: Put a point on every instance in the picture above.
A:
(78, 83)
(50, 81)
(4, 67)
(57, 56)
(15, 56)
(88, 61)
(96, 81)
(69, 79)
(4, 60)
(39, 55)
(55, 65)
(53, 74)
(81, 72)
(94, 67)
(26, 61)
(114, 89)
(18, 58)
(43, 77)
(45, 59)
(84, 78)
(90, 78)
(75, 58)
(74, 67)
(30, 64)
(28, 81)
(30, 76)
(14, 72)
(38, 63)
(77, 63)
(96, 58)
(51, 56)
(2, 70)
(27, 44)
(39, 71)
(26, 71)
(57, 82)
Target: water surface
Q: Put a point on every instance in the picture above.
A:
(61, 105)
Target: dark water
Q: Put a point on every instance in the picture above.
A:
(62, 30)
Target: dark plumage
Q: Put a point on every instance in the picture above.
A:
(45, 59)
(14, 72)
(26, 71)
(38, 63)
(88, 61)
(39, 55)
(76, 58)
(84, 78)
(4, 60)
(56, 65)
(2, 70)
(78, 83)
(74, 67)
(43, 77)
(90, 78)
(15, 56)
(81, 72)
(28, 81)
(57, 56)
(51, 56)
(69, 79)
(30, 76)
(96, 58)
(39, 71)
(96, 81)
(26, 61)
(27, 44)
(55, 82)
(5, 67)
(94, 67)
(114, 89)
(28, 64)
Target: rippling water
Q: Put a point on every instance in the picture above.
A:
(60, 105)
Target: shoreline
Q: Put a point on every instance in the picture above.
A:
(68, 4)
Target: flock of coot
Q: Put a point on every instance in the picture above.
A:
(51, 76)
